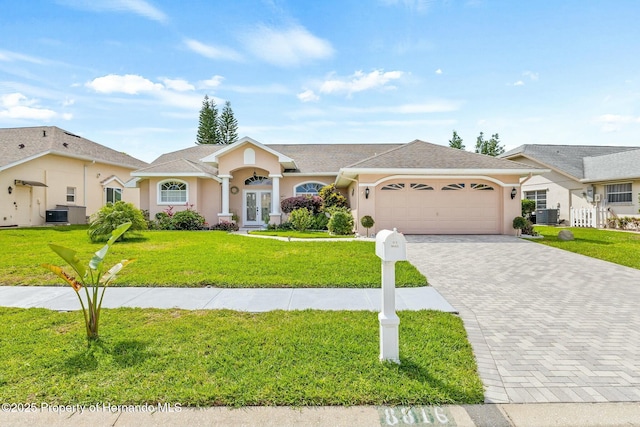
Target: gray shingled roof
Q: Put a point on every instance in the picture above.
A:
(309, 158)
(20, 144)
(424, 155)
(565, 158)
(177, 167)
(329, 158)
(622, 165)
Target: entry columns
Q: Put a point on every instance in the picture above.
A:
(274, 215)
(225, 215)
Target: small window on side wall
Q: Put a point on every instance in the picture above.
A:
(113, 194)
(619, 193)
(71, 194)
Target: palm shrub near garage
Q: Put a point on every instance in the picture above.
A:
(112, 216)
(93, 279)
(528, 206)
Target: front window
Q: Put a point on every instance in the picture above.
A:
(113, 194)
(619, 193)
(539, 196)
(173, 192)
(71, 194)
(309, 189)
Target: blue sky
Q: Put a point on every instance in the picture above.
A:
(132, 74)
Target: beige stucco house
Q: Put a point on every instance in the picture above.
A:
(582, 176)
(417, 187)
(46, 171)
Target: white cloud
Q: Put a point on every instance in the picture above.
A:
(213, 82)
(18, 106)
(417, 5)
(179, 85)
(441, 106)
(8, 56)
(533, 76)
(360, 81)
(438, 71)
(286, 47)
(614, 122)
(129, 83)
(308, 96)
(212, 52)
(139, 7)
(519, 83)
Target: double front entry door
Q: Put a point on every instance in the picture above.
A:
(257, 205)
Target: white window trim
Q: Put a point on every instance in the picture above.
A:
(106, 190)
(546, 193)
(295, 193)
(159, 191)
(71, 193)
(630, 192)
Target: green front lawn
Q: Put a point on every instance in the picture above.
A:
(615, 246)
(204, 358)
(201, 258)
(299, 234)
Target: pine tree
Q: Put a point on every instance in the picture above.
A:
(491, 147)
(227, 125)
(208, 132)
(456, 141)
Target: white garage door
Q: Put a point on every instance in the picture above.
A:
(439, 207)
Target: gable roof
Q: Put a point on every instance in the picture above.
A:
(177, 167)
(567, 159)
(286, 161)
(20, 145)
(610, 167)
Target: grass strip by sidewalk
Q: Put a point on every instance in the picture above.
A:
(614, 246)
(201, 258)
(210, 358)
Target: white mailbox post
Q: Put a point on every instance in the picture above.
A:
(391, 246)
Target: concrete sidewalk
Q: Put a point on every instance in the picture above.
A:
(500, 415)
(62, 298)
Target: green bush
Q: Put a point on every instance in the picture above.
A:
(225, 226)
(113, 215)
(331, 197)
(320, 221)
(301, 219)
(187, 220)
(341, 222)
(163, 221)
(519, 223)
(528, 206)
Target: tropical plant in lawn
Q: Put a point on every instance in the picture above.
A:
(93, 279)
(367, 222)
(301, 219)
(111, 216)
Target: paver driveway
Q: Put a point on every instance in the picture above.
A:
(546, 325)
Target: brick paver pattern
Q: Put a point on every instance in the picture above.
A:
(546, 325)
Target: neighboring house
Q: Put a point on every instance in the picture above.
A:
(581, 176)
(47, 169)
(417, 187)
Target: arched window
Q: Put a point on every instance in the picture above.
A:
(258, 180)
(309, 189)
(172, 192)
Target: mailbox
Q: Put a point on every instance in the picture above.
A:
(391, 245)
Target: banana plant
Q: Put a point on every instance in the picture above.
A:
(92, 278)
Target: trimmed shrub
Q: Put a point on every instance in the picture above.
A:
(312, 203)
(301, 219)
(225, 226)
(187, 220)
(519, 223)
(367, 222)
(113, 215)
(320, 221)
(341, 222)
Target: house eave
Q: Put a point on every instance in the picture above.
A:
(175, 175)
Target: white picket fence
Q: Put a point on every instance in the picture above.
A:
(589, 217)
